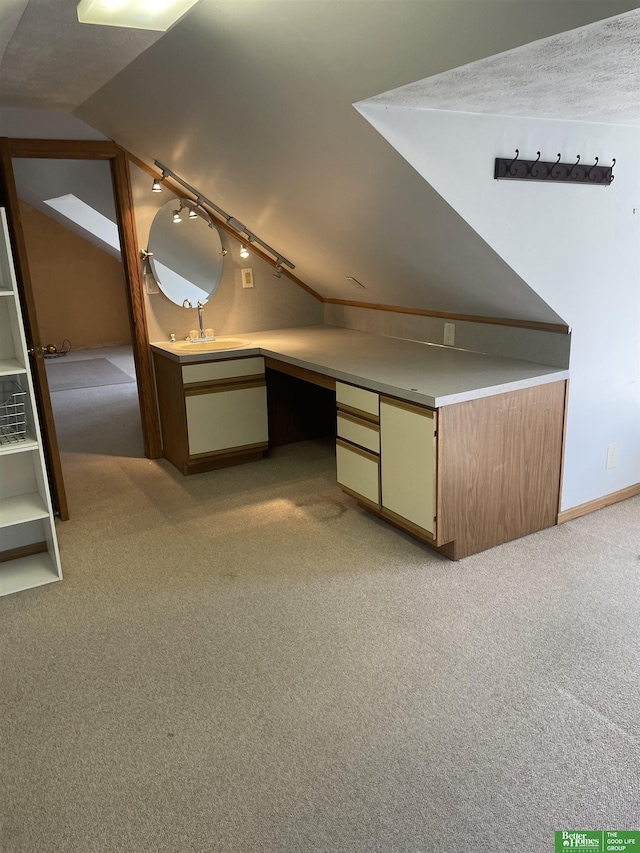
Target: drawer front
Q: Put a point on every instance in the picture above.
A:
(358, 473)
(227, 369)
(359, 432)
(358, 398)
(226, 419)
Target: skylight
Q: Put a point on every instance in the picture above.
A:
(139, 14)
(86, 217)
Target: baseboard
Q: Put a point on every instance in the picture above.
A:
(598, 503)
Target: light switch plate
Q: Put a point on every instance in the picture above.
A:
(247, 277)
(449, 334)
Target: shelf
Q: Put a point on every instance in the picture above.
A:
(4, 292)
(11, 367)
(19, 446)
(22, 508)
(26, 572)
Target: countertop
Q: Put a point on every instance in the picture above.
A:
(428, 374)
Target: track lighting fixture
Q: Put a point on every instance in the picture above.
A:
(156, 186)
(176, 215)
(231, 221)
(193, 213)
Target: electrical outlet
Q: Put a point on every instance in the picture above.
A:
(449, 334)
(247, 277)
(612, 456)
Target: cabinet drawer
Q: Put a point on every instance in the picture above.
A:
(227, 369)
(358, 398)
(226, 419)
(358, 471)
(359, 432)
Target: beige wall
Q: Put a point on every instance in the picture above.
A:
(273, 303)
(79, 290)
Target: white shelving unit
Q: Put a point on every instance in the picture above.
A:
(28, 544)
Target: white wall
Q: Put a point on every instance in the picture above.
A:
(578, 247)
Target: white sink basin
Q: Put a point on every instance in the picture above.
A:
(211, 346)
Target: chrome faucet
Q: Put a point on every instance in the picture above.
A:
(200, 320)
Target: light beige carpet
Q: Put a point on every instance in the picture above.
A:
(244, 662)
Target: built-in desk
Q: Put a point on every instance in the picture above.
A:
(461, 449)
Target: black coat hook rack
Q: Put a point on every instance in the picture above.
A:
(515, 169)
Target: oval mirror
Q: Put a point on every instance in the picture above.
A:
(186, 256)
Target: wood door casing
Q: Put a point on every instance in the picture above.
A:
(123, 201)
(32, 334)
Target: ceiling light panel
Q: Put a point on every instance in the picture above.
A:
(137, 14)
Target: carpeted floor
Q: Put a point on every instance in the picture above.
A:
(244, 662)
(66, 374)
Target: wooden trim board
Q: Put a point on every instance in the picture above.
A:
(558, 328)
(63, 149)
(231, 384)
(598, 503)
(300, 373)
(358, 414)
(360, 451)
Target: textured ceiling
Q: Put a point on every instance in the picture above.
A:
(52, 61)
(589, 74)
(251, 102)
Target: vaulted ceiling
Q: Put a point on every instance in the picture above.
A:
(252, 103)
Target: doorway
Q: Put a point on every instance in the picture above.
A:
(68, 219)
(13, 151)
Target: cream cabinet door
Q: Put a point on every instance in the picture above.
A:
(408, 454)
(220, 420)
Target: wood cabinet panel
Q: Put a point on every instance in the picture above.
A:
(499, 467)
(408, 462)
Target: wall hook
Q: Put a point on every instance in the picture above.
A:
(533, 170)
(591, 169)
(545, 170)
(571, 174)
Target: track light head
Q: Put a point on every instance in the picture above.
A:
(193, 213)
(176, 215)
(156, 186)
(244, 252)
(278, 269)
